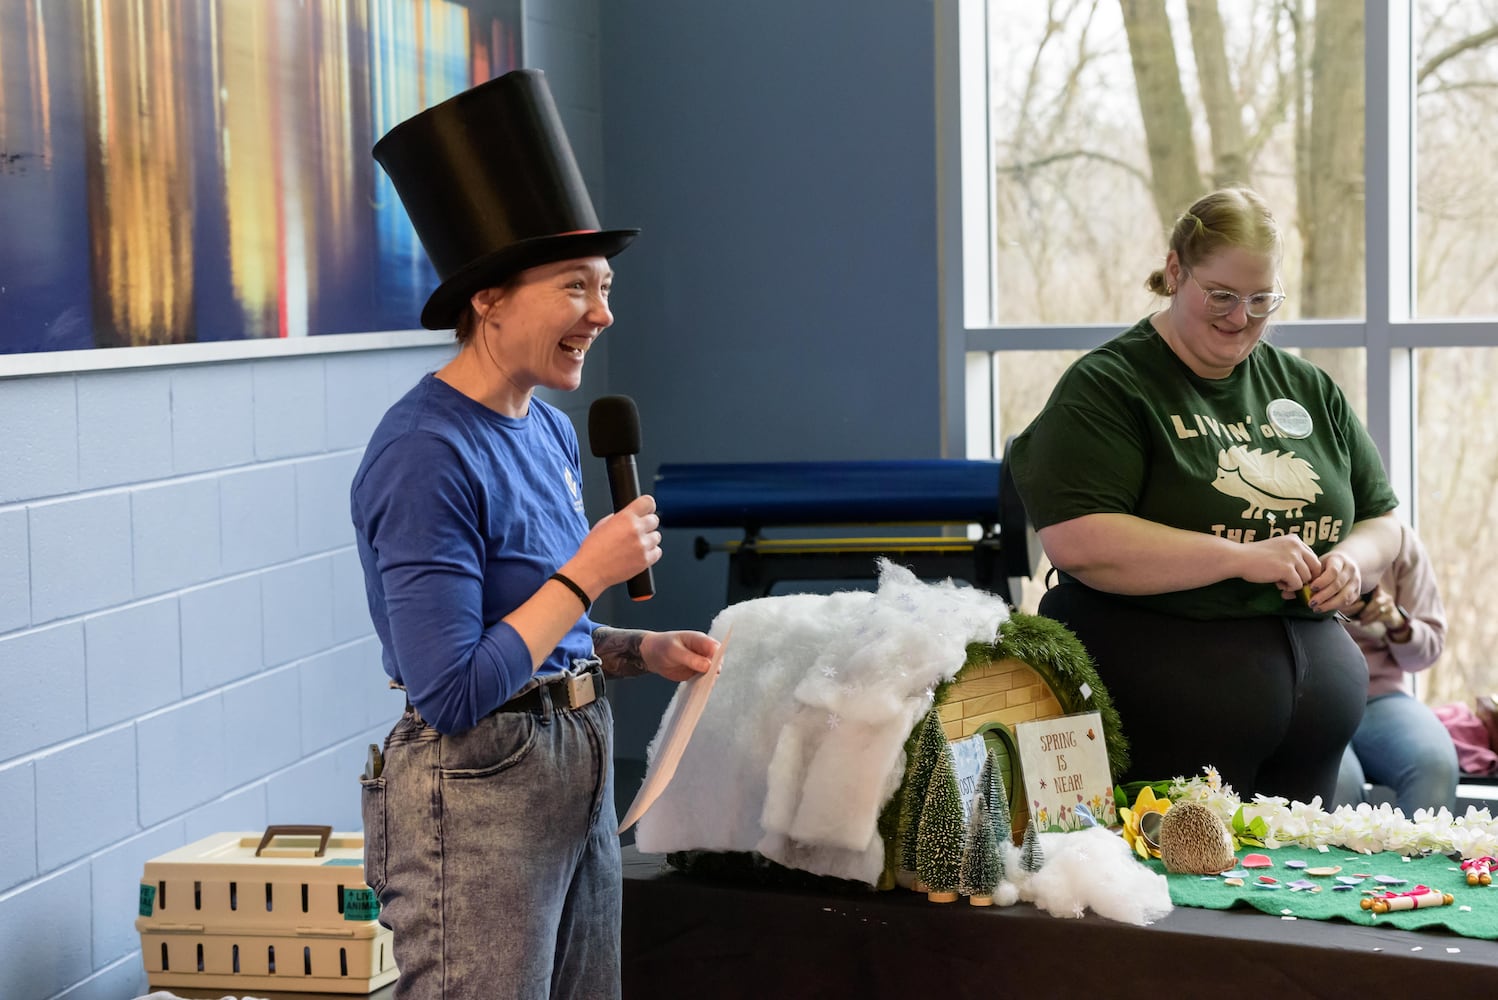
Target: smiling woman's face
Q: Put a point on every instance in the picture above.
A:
(1211, 345)
(538, 328)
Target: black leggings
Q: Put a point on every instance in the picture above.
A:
(1270, 701)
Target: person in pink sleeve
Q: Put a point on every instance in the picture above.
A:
(1401, 629)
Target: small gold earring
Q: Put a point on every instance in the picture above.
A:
(1170, 289)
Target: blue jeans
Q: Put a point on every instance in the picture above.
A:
(1400, 743)
(495, 856)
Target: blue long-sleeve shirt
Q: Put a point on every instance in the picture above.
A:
(461, 514)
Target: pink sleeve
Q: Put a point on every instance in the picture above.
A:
(1412, 581)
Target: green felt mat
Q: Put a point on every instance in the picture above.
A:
(1436, 871)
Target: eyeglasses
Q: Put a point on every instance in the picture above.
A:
(1221, 302)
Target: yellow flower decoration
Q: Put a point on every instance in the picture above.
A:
(1145, 803)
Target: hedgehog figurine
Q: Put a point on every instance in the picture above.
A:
(1194, 841)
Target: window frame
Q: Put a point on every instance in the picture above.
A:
(1389, 333)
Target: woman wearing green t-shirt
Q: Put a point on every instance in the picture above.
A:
(1211, 502)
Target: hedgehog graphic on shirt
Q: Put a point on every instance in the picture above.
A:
(1266, 481)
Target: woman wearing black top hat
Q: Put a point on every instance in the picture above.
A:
(489, 825)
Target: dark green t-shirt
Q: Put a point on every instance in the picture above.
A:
(1130, 429)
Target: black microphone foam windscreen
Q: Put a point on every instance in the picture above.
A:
(613, 427)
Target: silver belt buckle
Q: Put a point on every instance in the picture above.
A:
(581, 690)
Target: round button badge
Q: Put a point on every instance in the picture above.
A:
(1289, 419)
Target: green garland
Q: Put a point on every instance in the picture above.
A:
(1049, 648)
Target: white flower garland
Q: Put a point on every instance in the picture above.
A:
(1363, 828)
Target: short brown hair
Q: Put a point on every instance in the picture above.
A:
(468, 319)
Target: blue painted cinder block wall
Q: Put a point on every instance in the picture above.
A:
(184, 646)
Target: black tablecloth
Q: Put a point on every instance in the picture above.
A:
(689, 937)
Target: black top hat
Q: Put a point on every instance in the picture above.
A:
(491, 187)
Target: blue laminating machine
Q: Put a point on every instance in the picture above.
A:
(948, 493)
(770, 494)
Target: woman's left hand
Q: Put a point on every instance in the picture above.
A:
(1380, 609)
(678, 656)
(1339, 585)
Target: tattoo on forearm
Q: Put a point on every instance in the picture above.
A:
(619, 649)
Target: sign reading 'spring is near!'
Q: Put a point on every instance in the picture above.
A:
(1065, 766)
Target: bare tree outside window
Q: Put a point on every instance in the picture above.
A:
(1109, 117)
(1456, 87)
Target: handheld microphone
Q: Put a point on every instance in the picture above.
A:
(614, 436)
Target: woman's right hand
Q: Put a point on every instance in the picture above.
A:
(1284, 560)
(620, 546)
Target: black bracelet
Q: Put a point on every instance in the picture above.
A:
(582, 595)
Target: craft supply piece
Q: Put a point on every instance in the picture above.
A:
(1256, 861)
(1324, 871)
(1479, 870)
(1389, 880)
(1232, 881)
(1295, 864)
(1235, 873)
(686, 709)
(1418, 900)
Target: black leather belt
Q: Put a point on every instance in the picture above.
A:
(568, 690)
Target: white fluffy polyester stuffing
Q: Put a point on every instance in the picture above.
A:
(1091, 869)
(802, 741)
